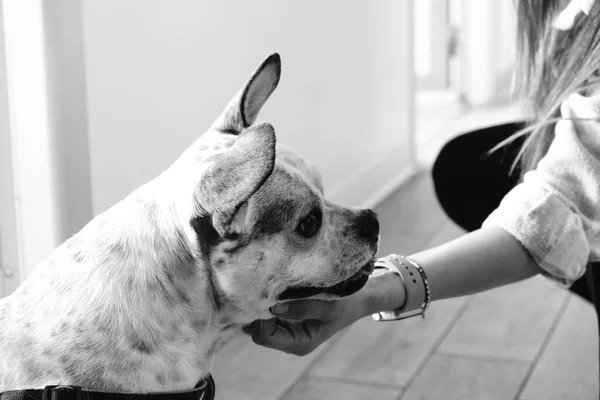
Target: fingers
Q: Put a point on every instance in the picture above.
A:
(306, 310)
(302, 326)
(299, 338)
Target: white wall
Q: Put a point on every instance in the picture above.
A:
(126, 86)
(67, 102)
(159, 71)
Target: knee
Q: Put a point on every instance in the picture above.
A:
(449, 163)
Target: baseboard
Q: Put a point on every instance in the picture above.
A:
(369, 186)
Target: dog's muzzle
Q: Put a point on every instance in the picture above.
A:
(341, 289)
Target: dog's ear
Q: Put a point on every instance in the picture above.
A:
(236, 174)
(242, 110)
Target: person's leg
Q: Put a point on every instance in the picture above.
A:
(586, 286)
(592, 279)
(470, 183)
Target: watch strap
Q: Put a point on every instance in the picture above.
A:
(416, 287)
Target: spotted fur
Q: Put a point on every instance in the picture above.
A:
(139, 299)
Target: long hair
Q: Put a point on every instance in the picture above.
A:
(552, 64)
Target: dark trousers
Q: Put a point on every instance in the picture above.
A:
(470, 183)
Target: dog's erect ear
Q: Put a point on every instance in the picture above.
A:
(242, 110)
(236, 174)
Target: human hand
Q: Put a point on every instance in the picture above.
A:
(302, 326)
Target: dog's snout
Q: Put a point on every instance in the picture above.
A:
(367, 224)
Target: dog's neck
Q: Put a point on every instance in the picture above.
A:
(158, 289)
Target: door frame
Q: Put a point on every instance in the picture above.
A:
(29, 221)
(10, 264)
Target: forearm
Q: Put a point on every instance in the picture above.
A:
(475, 262)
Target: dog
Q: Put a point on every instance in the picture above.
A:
(140, 298)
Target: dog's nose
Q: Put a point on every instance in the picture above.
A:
(367, 224)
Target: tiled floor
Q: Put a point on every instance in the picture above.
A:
(527, 341)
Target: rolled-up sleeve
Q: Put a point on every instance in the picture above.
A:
(555, 212)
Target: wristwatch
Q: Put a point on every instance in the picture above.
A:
(416, 287)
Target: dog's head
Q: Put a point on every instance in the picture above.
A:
(258, 215)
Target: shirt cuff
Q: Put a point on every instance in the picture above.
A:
(548, 228)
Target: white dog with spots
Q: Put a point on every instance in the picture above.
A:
(139, 298)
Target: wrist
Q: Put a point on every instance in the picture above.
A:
(384, 291)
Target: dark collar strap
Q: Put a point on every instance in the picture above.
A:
(204, 390)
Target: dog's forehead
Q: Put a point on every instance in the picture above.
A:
(291, 161)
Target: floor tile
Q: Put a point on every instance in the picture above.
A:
(387, 352)
(568, 368)
(458, 378)
(323, 390)
(509, 322)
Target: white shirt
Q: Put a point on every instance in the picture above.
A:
(555, 212)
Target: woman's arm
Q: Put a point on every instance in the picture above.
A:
(475, 262)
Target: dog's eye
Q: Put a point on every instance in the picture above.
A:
(310, 225)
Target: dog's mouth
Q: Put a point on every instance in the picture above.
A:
(341, 289)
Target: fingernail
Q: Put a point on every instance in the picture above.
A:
(280, 308)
